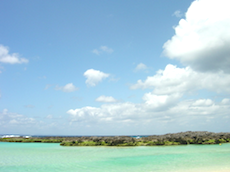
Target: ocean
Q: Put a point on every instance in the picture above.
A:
(50, 157)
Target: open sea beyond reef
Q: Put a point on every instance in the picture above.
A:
(50, 157)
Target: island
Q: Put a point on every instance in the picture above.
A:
(182, 138)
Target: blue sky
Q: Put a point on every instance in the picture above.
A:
(114, 67)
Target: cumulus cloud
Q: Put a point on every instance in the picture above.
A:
(14, 58)
(160, 102)
(140, 66)
(106, 113)
(106, 99)
(178, 14)
(201, 43)
(202, 39)
(94, 77)
(165, 105)
(201, 108)
(185, 113)
(125, 112)
(67, 88)
(184, 80)
(103, 49)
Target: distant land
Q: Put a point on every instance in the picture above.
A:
(182, 138)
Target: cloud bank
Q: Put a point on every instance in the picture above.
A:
(183, 114)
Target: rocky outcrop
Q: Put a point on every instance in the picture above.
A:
(182, 138)
(197, 137)
(189, 137)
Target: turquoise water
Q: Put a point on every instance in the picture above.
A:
(39, 157)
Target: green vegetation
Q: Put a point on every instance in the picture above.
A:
(29, 140)
(141, 143)
(155, 140)
(211, 141)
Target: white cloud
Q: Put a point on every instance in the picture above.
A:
(125, 112)
(166, 106)
(178, 14)
(67, 88)
(202, 39)
(201, 107)
(184, 80)
(160, 102)
(140, 66)
(94, 77)
(106, 99)
(14, 58)
(203, 102)
(21, 124)
(103, 49)
(108, 112)
(225, 101)
(8, 119)
(184, 114)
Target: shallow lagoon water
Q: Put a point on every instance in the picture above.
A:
(39, 157)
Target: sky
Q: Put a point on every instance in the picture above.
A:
(114, 67)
